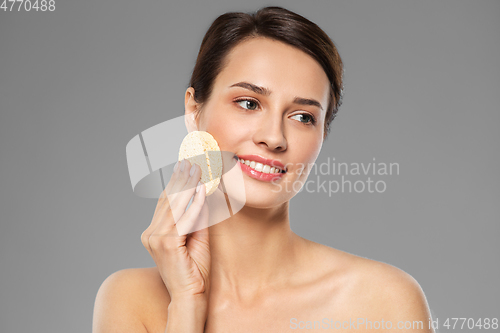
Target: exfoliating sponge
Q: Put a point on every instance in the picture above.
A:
(201, 148)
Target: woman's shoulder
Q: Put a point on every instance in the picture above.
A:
(149, 285)
(144, 281)
(137, 292)
(370, 270)
(362, 270)
(370, 281)
(373, 283)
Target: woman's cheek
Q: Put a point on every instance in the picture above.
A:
(307, 163)
(215, 126)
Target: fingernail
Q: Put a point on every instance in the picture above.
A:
(191, 172)
(182, 164)
(176, 166)
(198, 186)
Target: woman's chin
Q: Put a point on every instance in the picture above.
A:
(264, 201)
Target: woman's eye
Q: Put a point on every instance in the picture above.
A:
(308, 118)
(247, 104)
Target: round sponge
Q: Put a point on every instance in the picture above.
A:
(201, 148)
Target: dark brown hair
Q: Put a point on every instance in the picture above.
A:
(276, 23)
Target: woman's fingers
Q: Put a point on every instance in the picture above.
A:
(178, 206)
(161, 217)
(162, 212)
(172, 205)
(176, 184)
(180, 180)
(181, 201)
(196, 216)
(162, 199)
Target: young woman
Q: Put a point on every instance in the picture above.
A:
(267, 87)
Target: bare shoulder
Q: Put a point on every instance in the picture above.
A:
(393, 294)
(374, 289)
(129, 297)
(370, 275)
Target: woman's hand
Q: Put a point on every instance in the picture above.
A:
(183, 261)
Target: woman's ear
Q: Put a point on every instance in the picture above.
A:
(191, 108)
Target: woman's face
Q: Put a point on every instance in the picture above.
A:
(283, 120)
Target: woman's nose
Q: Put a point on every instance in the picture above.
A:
(271, 132)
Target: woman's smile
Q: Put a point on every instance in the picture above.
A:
(261, 168)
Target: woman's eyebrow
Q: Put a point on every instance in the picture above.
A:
(307, 101)
(252, 87)
(267, 92)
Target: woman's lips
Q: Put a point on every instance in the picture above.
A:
(263, 160)
(267, 177)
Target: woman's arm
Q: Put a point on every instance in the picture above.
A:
(186, 316)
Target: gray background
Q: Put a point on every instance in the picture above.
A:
(422, 85)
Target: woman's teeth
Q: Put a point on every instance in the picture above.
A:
(264, 168)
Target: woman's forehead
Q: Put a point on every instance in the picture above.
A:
(275, 65)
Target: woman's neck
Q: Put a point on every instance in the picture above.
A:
(252, 250)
